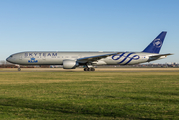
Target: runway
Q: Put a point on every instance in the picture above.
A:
(96, 70)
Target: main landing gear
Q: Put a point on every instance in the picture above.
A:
(89, 69)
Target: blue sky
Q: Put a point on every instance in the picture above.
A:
(88, 25)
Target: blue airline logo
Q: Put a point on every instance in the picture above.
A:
(157, 43)
(124, 57)
(32, 60)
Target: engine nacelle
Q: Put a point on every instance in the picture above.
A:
(70, 64)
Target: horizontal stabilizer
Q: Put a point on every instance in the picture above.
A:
(159, 55)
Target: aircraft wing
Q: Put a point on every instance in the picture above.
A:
(95, 58)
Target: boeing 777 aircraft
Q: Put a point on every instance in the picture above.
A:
(71, 60)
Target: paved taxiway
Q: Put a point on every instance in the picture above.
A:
(97, 70)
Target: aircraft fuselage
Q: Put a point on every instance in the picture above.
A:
(57, 58)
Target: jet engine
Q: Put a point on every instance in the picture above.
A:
(70, 64)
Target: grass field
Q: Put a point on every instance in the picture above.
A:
(89, 95)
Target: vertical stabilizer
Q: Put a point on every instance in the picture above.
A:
(156, 44)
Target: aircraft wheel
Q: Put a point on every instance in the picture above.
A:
(92, 69)
(89, 69)
(19, 69)
(85, 69)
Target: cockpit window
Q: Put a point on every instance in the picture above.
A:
(11, 56)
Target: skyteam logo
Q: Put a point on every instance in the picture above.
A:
(125, 57)
(32, 60)
(157, 43)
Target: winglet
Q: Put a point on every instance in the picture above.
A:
(156, 44)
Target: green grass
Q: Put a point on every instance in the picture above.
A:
(89, 95)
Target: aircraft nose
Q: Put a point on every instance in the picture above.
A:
(7, 59)
(11, 59)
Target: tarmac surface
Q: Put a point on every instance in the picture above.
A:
(96, 70)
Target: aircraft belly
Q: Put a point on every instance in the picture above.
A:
(53, 61)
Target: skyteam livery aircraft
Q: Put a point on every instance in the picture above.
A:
(71, 60)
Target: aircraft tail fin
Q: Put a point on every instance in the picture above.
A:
(156, 44)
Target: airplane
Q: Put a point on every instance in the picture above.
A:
(71, 60)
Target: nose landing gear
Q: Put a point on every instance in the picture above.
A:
(19, 69)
